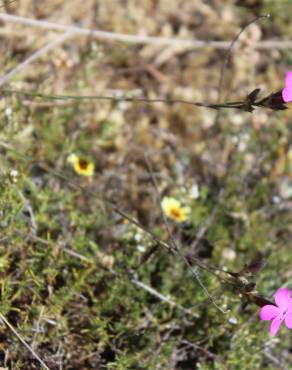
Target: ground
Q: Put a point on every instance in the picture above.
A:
(94, 275)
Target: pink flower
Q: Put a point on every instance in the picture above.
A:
(287, 91)
(281, 312)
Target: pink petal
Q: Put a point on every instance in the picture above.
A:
(269, 312)
(282, 296)
(287, 94)
(275, 325)
(288, 79)
(288, 320)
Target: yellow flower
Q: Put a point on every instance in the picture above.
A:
(173, 209)
(81, 166)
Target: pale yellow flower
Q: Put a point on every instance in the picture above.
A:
(81, 166)
(174, 210)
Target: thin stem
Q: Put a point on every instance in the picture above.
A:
(119, 99)
(228, 53)
(98, 97)
(175, 246)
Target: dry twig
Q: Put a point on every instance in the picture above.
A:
(136, 39)
(45, 49)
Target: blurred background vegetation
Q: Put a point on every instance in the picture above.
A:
(85, 287)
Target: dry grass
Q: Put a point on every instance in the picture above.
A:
(92, 275)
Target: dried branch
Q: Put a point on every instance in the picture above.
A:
(137, 39)
(34, 57)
